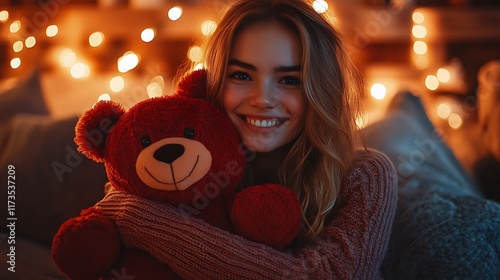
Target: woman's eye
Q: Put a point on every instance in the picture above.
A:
(240, 76)
(289, 80)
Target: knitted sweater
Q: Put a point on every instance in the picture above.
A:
(352, 246)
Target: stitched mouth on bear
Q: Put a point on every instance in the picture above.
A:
(173, 164)
(172, 171)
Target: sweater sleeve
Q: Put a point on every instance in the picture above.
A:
(352, 246)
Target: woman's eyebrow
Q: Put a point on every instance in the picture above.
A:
(241, 64)
(294, 68)
(278, 69)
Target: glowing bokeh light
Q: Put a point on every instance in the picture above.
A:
(431, 82)
(420, 47)
(127, 62)
(443, 110)
(455, 121)
(116, 84)
(320, 6)
(175, 13)
(67, 58)
(30, 42)
(378, 91)
(15, 26)
(147, 35)
(4, 15)
(104, 97)
(18, 46)
(154, 90)
(443, 75)
(15, 63)
(195, 54)
(418, 17)
(52, 30)
(419, 31)
(208, 27)
(79, 70)
(96, 39)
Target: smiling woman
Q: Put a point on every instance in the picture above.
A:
(263, 93)
(283, 78)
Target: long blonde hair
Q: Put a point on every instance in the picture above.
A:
(319, 160)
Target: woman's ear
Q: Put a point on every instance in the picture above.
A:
(94, 126)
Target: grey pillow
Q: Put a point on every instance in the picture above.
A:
(53, 181)
(444, 228)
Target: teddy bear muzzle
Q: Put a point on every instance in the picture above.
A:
(173, 163)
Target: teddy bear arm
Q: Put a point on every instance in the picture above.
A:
(269, 214)
(87, 246)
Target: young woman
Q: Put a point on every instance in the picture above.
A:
(279, 71)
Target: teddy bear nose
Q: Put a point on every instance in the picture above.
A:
(169, 153)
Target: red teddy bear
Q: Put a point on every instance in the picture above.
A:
(180, 150)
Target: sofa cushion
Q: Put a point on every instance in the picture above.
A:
(53, 181)
(444, 228)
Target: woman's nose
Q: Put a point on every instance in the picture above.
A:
(263, 96)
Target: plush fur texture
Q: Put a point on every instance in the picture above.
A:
(180, 150)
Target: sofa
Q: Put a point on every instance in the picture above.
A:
(445, 226)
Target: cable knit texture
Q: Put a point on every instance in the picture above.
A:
(352, 246)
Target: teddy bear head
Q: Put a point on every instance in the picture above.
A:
(171, 148)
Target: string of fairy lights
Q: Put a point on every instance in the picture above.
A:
(77, 68)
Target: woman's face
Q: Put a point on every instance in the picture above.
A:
(263, 92)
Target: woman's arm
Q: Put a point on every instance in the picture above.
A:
(352, 246)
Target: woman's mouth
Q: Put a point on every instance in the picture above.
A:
(264, 123)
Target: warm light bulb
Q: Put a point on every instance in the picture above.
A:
(455, 121)
(30, 42)
(378, 91)
(443, 75)
(154, 90)
(104, 97)
(195, 54)
(51, 30)
(443, 110)
(67, 58)
(419, 31)
(431, 82)
(127, 62)
(320, 6)
(147, 35)
(17, 46)
(208, 27)
(79, 70)
(4, 16)
(418, 17)
(116, 84)
(175, 13)
(420, 47)
(96, 39)
(15, 26)
(198, 66)
(361, 121)
(15, 63)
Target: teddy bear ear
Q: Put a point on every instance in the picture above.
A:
(194, 84)
(94, 126)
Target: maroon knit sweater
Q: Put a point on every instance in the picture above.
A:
(352, 246)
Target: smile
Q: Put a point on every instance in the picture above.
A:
(264, 122)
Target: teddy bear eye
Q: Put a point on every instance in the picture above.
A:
(189, 133)
(145, 141)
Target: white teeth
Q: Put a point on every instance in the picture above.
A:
(263, 123)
